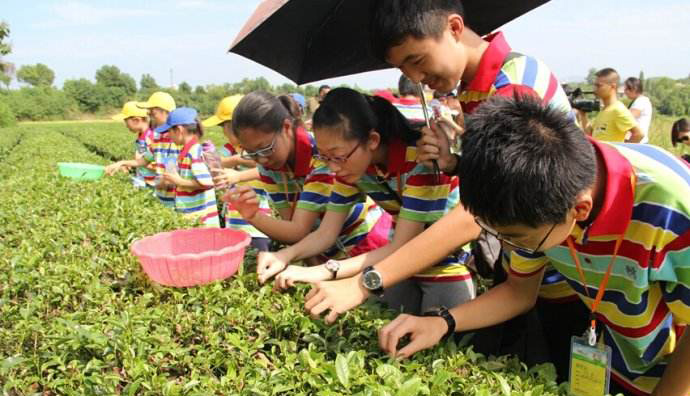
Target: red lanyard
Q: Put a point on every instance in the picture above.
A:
(185, 149)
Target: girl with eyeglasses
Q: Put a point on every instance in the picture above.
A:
(298, 185)
(680, 133)
(371, 148)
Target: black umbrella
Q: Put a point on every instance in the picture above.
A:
(311, 40)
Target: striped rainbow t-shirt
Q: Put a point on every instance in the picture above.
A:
(308, 187)
(199, 204)
(647, 299)
(411, 191)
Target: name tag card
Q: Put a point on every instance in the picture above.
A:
(590, 368)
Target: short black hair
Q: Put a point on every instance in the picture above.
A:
(679, 126)
(610, 74)
(523, 163)
(321, 88)
(407, 87)
(393, 21)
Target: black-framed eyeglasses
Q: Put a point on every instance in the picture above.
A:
(264, 152)
(337, 160)
(501, 238)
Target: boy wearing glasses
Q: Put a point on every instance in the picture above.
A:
(614, 219)
(615, 121)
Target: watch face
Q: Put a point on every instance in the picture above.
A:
(372, 280)
(332, 265)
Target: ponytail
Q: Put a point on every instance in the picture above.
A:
(263, 111)
(358, 114)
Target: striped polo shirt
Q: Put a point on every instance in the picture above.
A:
(233, 218)
(308, 187)
(412, 110)
(648, 293)
(161, 151)
(501, 72)
(141, 146)
(199, 204)
(407, 190)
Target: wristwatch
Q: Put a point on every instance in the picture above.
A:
(445, 314)
(372, 281)
(333, 266)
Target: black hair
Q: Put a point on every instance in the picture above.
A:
(634, 84)
(610, 74)
(407, 87)
(393, 21)
(357, 114)
(523, 163)
(263, 111)
(321, 88)
(194, 129)
(679, 126)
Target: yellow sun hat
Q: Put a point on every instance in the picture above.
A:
(159, 99)
(224, 111)
(130, 109)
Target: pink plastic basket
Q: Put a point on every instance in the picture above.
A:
(191, 257)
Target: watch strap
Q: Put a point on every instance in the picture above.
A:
(446, 315)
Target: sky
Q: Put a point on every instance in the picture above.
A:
(191, 39)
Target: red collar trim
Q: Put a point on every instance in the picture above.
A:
(490, 64)
(408, 101)
(303, 152)
(397, 152)
(230, 148)
(619, 196)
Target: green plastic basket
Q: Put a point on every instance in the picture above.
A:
(80, 171)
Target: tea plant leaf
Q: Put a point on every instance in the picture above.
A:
(342, 369)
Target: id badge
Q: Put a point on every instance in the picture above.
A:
(590, 368)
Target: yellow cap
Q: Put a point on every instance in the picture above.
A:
(130, 109)
(159, 99)
(224, 111)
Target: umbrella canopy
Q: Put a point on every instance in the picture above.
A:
(311, 40)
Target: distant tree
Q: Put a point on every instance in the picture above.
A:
(200, 90)
(38, 75)
(591, 77)
(116, 86)
(88, 96)
(6, 68)
(185, 88)
(148, 83)
(641, 78)
(111, 77)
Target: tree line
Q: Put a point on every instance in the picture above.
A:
(39, 99)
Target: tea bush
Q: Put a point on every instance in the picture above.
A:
(77, 315)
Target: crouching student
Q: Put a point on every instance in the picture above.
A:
(613, 219)
(238, 171)
(137, 121)
(161, 151)
(195, 195)
(371, 148)
(298, 185)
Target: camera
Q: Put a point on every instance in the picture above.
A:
(578, 101)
